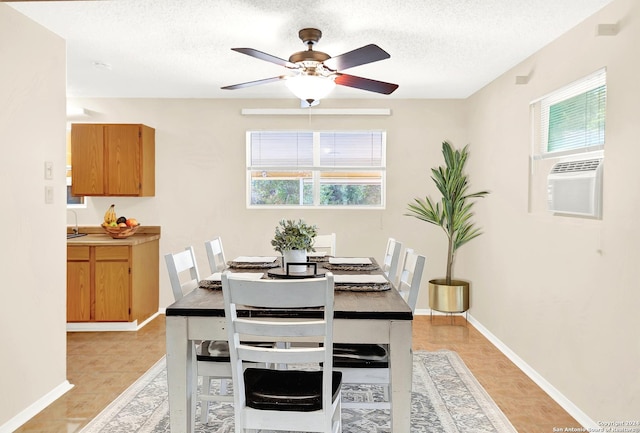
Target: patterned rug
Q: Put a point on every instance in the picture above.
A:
(446, 398)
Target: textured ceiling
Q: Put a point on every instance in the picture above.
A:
(181, 48)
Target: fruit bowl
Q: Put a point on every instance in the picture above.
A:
(120, 232)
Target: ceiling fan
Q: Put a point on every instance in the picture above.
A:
(316, 73)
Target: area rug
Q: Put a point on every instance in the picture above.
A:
(446, 398)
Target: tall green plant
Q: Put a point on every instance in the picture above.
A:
(453, 212)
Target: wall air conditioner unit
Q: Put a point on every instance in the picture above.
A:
(575, 187)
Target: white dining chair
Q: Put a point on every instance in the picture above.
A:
(411, 277)
(211, 357)
(369, 363)
(215, 255)
(291, 399)
(326, 244)
(391, 259)
(183, 272)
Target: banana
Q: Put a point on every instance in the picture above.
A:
(110, 215)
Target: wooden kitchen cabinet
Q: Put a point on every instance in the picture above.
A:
(78, 285)
(112, 160)
(112, 283)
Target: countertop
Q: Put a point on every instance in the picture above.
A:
(96, 236)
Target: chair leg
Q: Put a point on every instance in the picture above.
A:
(204, 405)
(336, 421)
(385, 390)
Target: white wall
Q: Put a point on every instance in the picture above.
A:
(200, 175)
(539, 283)
(562, 293)
(33, 269)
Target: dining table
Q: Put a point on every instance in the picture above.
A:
(367, 309)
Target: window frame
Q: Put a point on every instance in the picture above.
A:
(316, 169)
(540, 114)
(542, 161)
(82, 200)
(72, 202)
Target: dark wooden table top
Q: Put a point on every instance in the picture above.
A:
(380, 305)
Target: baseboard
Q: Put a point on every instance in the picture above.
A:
(149, 319)
(556, 395)
(14, 423)
(108, 326)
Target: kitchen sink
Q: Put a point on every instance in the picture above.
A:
(75, 235)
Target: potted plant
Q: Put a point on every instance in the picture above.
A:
(293, 239)
(453, 213)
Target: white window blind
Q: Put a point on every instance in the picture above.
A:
(574, 116)
(281, 149)
(357, 149)
(316, 168)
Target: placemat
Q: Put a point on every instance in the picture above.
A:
(254, 265)
(214, 282)
(318, 259)
(351, 287)
(341, 287)
(341, 267)
(211, 285)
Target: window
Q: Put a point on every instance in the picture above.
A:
(72, 201)
(573, 118)
(316, 169)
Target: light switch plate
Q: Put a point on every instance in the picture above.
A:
(48, 170)
(48, 194)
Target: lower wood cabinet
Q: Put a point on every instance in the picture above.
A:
(78, 284)
(112, 283)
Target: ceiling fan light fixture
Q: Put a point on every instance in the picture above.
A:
(310, 87)
(317, 73)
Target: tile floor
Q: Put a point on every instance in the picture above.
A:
(102, 365)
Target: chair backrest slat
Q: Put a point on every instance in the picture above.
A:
(178, 264)
(282, 329)
(392, 259)
(261, 295)
(325, 243)
(215, 255)
(411, 277)
(281, 356)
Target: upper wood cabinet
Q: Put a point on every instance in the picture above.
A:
(112, 160)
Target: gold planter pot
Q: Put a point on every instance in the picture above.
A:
(449, 298)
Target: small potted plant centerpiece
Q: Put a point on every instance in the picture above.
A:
(293, 239)
(453, 214)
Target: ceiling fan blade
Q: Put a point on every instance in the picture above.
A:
(253, 83)
(360, 56)
(267, 57)
(365, 84)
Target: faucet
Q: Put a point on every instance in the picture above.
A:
(75, 229)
